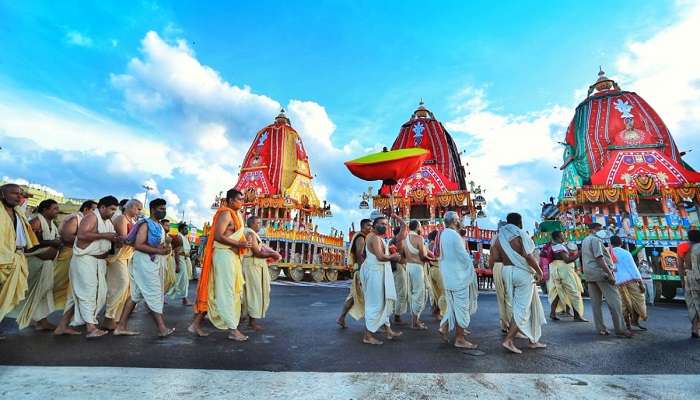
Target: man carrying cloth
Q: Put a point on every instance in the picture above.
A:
(68, 230)
(355, 302)
(256, 274)
(521, 273)
(459, 277)
(435, 284)
(16, 236)
(88, 267)
(146, 274)
(118, 265)
(41, 260)
(220, 286)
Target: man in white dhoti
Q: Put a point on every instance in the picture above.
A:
(416, 255)
(61, 286)
(88, 266)
(355, 302)
(630, 286)
(521, 273)
(497, 267)
(256, 291)
(147, 268)
(182, 250)
(118, 265)
(378, 281)
(41, 260)
(459, 279)
(398, 269)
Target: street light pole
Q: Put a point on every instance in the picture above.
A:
(148, 189)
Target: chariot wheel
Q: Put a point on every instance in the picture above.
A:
(296, 274)
(274, 272)
(332, 275)
(317, 275)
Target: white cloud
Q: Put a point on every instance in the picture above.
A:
(78, 39)
(665, 70)
(24, 182)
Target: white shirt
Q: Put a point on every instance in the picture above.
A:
(456, 264)
(625, 268)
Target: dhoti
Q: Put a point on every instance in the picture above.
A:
(416, 287)
(88, 288)
(226, 290)
(257, 287)
(436, 291)
(39, 301)
(169, 274)
(118, 282)
(188, 267)
(503, 312)
(692, 293)
(61, 283)
(564, 285)
(523, 302)
(147, 281)
(357, 310)
(180, 287)
(461, 305)
(401, 285)
(380, 294)
(634, 307)
(13, 283)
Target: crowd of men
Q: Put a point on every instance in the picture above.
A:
(108, 257)
(392, 277)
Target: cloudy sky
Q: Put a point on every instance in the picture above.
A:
(101, 98)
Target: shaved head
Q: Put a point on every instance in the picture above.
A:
(10, 194)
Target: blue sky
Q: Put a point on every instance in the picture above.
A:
(102, 97)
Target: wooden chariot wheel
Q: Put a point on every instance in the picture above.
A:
(332, 275)
(317, 275)
(274, 272)
(296, 273)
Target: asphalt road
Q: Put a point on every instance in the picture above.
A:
(301, 335)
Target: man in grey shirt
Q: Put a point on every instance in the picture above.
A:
(598, 270)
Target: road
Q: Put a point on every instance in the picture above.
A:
(301, 335)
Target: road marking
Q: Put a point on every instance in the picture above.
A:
(20, 382)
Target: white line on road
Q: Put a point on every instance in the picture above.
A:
(106, 383)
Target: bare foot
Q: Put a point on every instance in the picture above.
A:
(391, 335)
(371, 340)
(624, 335)
(95, 334)
(520, 336)
(44, 325)
(604, 332)
(553, 317)
(66, 331)
(109, 324)
(341, 322)
(186, 302)
(256, 327)
(237, 336)
(166, 333)
(119, 332)
(537, 345)
(511, 347)
(463, 344)
(196, 330)
(419, 326)
(580, 319)
(443, 334)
